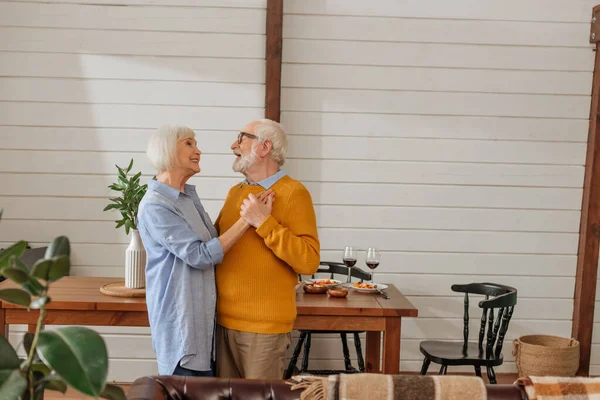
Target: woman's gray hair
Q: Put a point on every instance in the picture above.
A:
(162, 147)
(272, 131)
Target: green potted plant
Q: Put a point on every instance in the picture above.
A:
(71, 356)
(127, 203)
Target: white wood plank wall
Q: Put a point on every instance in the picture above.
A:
(450, 135)
(81, 88)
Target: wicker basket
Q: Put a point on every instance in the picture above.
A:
(543, 355)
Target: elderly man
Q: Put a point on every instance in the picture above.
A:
(256, 305)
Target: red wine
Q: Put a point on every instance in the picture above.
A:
(372, 264)
(349, 262)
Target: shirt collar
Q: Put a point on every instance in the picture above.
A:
(268, 182)
(168, 191)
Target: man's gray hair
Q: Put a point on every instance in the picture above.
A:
(162, 147)
(267, 129)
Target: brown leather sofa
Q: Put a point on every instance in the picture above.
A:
(184, 388)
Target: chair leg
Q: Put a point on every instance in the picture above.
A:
(477, 370)
(347, 362)
(359, 355)
(294, 360)
(425, 366)
(443, 369)
(491, 375)
(306, 353)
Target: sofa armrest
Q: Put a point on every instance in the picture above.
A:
(199, 388)
(505, 392)
(147, 388)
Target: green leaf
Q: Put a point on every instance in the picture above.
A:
(28, 342)
(39, 303)
(41, 268)
(15, 250)
(16, 275)
(116, 187)
(121, 172)
(21, 265)
(52, 382)
(8, 356)
(60, 267)
(12, 384)
(111, 207)
(130, 165)
(15, 296)
(59, 247)
(78, 355)
(120, 223)
(33, 286)
(113, 392)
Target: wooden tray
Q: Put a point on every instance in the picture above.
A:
(118, 289)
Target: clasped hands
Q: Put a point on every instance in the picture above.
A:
(255, 209)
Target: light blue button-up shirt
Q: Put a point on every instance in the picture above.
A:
(182, 251)
(268, 182)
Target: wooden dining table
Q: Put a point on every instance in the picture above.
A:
(76, 300)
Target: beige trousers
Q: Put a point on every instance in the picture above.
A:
(251, 355)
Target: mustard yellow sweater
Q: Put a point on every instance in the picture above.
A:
(256, 281)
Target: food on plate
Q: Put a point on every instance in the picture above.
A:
(311, 288)
(325, 282)
(338, 292)
(363, 285)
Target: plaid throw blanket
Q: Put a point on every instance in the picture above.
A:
(390, 387)
(557, 388)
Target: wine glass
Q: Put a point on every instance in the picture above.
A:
(372, 261)
(349, 260)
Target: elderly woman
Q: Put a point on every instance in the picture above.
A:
(182, 251)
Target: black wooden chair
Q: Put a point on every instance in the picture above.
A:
(333, 269)
(30, 256)
(497, 297)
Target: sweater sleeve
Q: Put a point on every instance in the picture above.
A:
(296, 241)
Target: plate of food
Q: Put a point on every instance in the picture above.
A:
(324, 282)
(367, 287)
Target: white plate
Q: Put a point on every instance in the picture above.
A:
(379, 286)
(316, 282)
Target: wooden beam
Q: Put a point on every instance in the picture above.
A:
(595, 25)
(589, 234)
(274, 35)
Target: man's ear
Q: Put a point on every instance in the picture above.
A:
(265, 148)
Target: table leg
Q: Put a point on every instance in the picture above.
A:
(373, 349)
(391, 346)
(3, 325)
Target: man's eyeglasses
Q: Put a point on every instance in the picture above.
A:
(242, 134)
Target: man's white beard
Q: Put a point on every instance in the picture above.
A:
(245, 162)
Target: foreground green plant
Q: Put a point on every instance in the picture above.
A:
(72, 356)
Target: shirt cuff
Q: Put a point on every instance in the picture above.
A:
(267, 226)
(215, 250)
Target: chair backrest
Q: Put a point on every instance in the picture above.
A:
(501, 297)
(336, 268)
(30, 256)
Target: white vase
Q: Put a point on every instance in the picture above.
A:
(135, 262)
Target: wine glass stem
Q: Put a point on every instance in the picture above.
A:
(349, 276)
